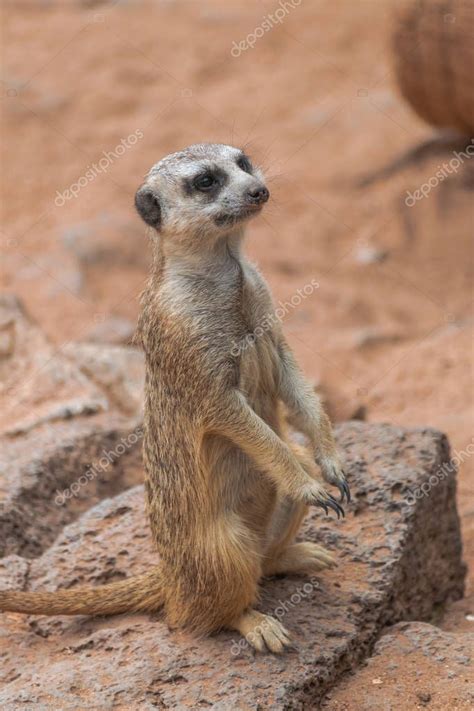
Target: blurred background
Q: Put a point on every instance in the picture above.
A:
(94, 93)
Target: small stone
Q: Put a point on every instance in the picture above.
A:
(372, 336)
(424, 697)
(367, 254)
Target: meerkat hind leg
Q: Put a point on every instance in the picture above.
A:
(287, 519)
(263, 632)
(283, 555)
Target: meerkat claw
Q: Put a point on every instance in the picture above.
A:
(336, 506)
(323, 506)
(348, 492)
(333, 504)
(345, 491)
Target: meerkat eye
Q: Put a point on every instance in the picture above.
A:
(244, 164)
(205, 182)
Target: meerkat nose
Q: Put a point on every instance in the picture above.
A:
(258, 195)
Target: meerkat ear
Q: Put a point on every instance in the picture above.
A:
(148, 207)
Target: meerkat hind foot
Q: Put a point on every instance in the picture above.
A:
(303, 557)
(263, 632)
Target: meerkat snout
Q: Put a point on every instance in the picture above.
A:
(257, 196)
(206, 189)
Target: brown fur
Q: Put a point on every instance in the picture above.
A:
(226, 489)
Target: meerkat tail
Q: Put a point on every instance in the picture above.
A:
(140, 593)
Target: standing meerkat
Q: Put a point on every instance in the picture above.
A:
(226, 488)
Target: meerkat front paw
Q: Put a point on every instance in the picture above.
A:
(314, 494)
(333, 473)
(310, 489)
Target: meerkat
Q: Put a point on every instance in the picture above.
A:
(226, 487)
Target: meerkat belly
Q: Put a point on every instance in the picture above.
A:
(256, 494)
(259, 378)
(237, 484)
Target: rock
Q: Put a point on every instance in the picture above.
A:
(113, 257)
(39, 385)
(373, 336)
(106, 241)
(119, 371)
(7, 336)
(397, 561)
(113, 330)
(14, 572)
(368, 254)
(70, 430)
(424, 696)
(48, 478)
(420, 680)
(62, 269)
(340, 403)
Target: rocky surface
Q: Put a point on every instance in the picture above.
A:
(68, 413)
(38, 383)
(399, 559)
(119, 371)
(112, 330)
(414, 666)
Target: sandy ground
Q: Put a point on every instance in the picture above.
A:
(388, 330)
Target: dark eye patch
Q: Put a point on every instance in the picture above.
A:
(205, 182)
(244, 164)
(208, 181)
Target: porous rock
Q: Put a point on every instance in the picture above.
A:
(399, 559)
(70, 429)
(117, 370)
(38, 383)
(414, 665)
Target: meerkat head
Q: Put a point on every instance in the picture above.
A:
(201, 193)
